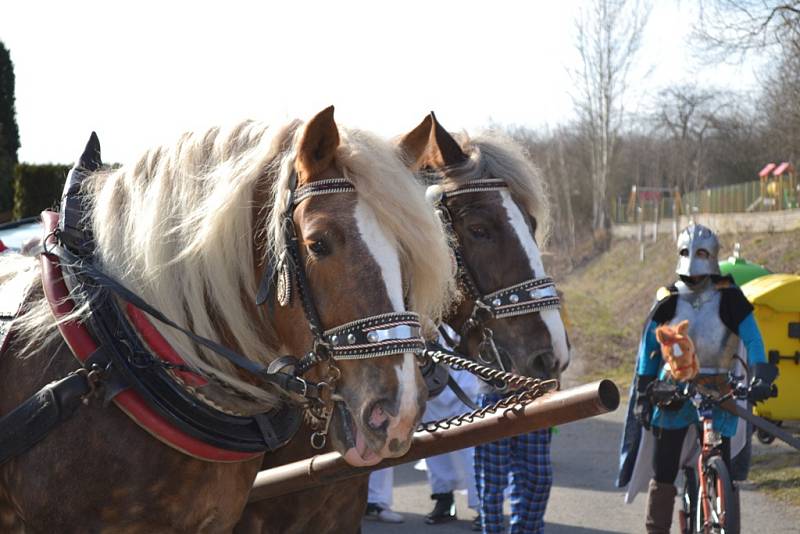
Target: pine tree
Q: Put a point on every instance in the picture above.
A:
(9, 132)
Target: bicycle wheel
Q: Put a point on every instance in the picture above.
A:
(687, 515)
(718, 509)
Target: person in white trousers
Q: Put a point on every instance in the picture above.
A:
(379, 500)
(454, 470)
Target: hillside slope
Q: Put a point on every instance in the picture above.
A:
(608, 299)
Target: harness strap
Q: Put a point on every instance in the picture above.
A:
(281, 380)
(530, 296)
(31, 421)
(385, 334)
(219, 437)
(462, 396)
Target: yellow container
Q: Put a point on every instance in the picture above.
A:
(776, 299)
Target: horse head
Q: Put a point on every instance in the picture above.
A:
(494, 202)
(677, 348)
(358, 260)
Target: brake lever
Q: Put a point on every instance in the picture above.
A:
(741, 390)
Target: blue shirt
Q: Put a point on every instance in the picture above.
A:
(651, 363)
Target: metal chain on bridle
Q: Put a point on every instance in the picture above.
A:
(369, 337)
(529, 296)
(525, 389)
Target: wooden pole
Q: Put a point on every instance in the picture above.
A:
(676, 213)
(550, 410)
(640, 216)
(655, 221)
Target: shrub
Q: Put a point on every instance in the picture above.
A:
(37, 187)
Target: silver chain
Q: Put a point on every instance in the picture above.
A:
(526, 389)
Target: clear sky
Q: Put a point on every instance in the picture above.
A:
(139, 73)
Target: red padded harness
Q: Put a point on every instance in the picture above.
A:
(129, 401)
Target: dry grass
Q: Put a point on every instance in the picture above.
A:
(778, 475)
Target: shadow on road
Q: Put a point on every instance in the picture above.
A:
(416, 523)
(555, 528)
(583, 463)
(408, 476)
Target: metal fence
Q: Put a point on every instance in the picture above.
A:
(776, 194)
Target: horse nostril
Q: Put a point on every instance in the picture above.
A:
(376, 417)
(546, 360)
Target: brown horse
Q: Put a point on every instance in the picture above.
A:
(495, 229)
(499, 211)
(191, 228)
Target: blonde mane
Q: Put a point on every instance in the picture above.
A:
(180, 228)
(497, 156)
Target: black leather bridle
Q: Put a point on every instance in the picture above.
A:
(528, 296)
(369, 337)
(374, 336)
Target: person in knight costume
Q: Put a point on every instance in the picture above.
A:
(720, 324)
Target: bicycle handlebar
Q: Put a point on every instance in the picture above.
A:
(662, 393)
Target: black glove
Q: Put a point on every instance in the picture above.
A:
(761, 386)
(643, 410)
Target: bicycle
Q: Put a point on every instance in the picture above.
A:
(710, 500)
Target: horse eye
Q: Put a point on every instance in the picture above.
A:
(478, 231)
(319, 248)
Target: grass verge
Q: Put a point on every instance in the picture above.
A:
(778, 475)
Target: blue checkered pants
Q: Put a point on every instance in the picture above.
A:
(524, 463)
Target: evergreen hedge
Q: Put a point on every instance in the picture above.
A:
(9, 132)
(37, 187)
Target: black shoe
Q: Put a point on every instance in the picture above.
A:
(376, 512)
(476, 524)
(443, 511)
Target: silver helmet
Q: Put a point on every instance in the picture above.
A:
(692, 239)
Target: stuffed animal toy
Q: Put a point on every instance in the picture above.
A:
(678, 351)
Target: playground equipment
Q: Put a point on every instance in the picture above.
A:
(779, 187)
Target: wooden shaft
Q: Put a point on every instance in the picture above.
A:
(552, 409)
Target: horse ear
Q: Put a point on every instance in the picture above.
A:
(683, 327)
(444, 150)
(414, 143)
(318, 145)
(660, 335)
(90, 159)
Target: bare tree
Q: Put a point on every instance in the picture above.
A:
(609, 35)
(729, 29)
(557, 154)
(780, 108)
(732, 29)
(687, 116)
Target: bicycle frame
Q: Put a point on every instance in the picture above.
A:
(711, 443)
(706, 509)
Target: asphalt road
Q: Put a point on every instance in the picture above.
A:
(583, 499)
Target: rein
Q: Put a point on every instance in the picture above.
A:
(528, 296)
